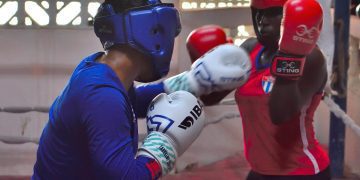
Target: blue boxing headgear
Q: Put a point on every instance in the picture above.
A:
(149, 29)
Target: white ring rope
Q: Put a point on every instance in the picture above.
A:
(18, 140)
(342, 115)
(226, 116)
(24, 109)
(333, 107)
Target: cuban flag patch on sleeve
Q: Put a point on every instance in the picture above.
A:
(267, 83)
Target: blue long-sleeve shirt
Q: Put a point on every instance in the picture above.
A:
(92, 131)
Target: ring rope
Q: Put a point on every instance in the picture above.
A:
(334, 108)
(24, 109)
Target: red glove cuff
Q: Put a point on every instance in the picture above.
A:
(289, 67)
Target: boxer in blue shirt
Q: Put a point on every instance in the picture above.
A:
(92, 130)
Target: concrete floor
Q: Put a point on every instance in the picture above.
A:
(16, 163)
(231, 168)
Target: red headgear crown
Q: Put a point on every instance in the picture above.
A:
(263, 4)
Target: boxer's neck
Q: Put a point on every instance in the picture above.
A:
(126, 69)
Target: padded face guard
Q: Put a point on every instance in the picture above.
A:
(149, 29)
(263, 4)
(255, 21)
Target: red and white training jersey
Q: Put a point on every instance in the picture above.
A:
(286, 149)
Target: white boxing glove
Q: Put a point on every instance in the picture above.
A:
(224, 67)
(174, 121)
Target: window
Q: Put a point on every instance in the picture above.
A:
(47, 13)
(212, 4)
(8, 12)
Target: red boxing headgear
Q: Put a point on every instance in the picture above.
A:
(263, 4)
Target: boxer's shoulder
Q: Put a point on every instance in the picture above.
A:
(315, 63)
(249, 44)
(317, 54)
(316, 66)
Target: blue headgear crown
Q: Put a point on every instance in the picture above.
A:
(150, 29)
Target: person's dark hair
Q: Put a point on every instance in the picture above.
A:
(122, 5)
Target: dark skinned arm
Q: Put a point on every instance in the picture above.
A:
(216, 97)
(289, 96)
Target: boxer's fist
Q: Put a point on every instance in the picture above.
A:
(174, 121)
(301, 26)
(204, 38)
(225, 67)
(179, 116)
